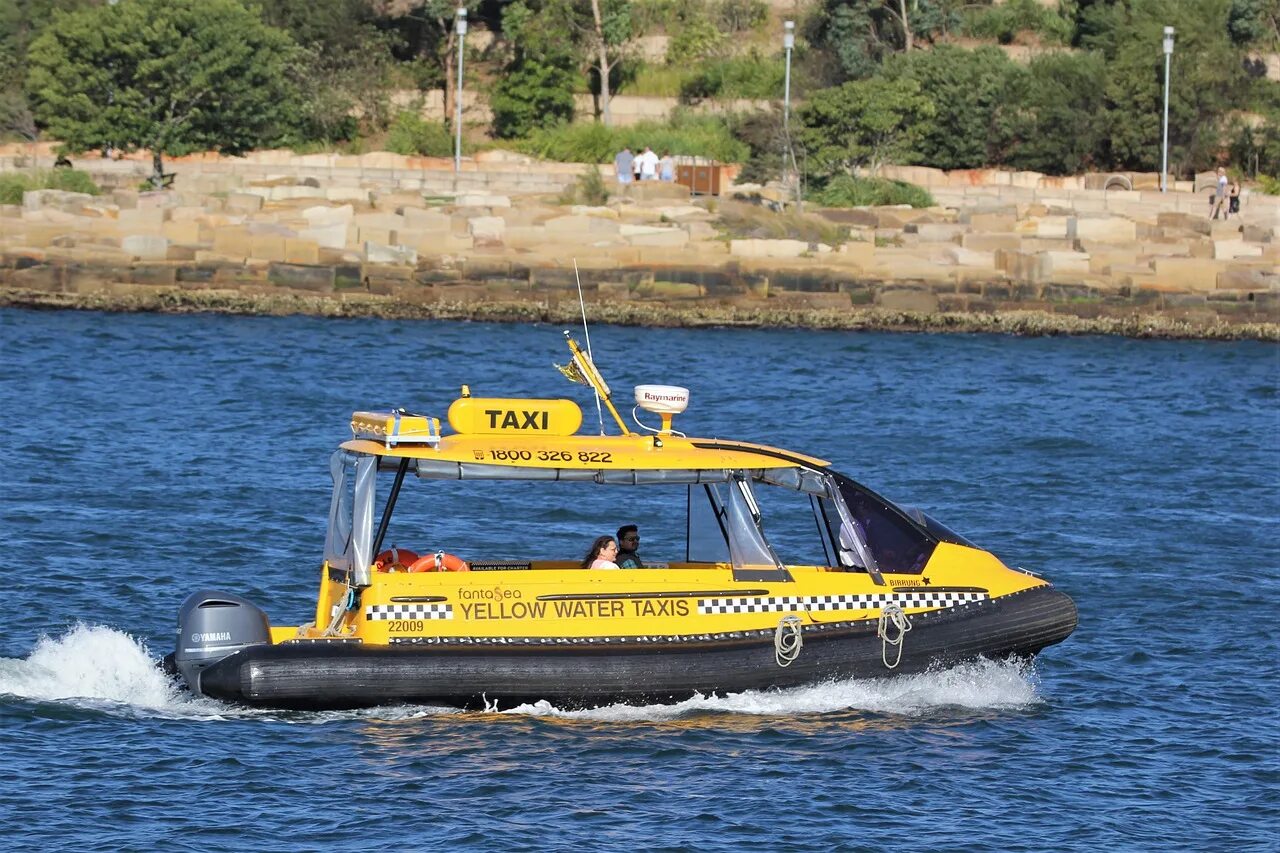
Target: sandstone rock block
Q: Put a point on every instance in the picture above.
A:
(445, 244)
(936, 232)
(302, 277)
(143, 219)
(917, 300)
(145, 247)
(233, 243)
(1054, 227)
(1248, 278)
(356, 195)
(582, 227)
(331, 236)
(1110, 229)
(1228, 249)
(374, 234)
(859, 254)
(1185, 221)
(1065, 263)
(525, 237)
(759, 248)
(486, 229)
(182, 232)
(301, 251)
(377, 253)
(992, 222)
(961, 256)
(57, 199)
(427, 220)
(243, 203)
(991, 242)
(482, 200)
(1188, 274)
(642, 235)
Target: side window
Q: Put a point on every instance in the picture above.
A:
(707, 540)
(795, 524)
(896, 543)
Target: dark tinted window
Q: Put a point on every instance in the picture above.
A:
(897, 544)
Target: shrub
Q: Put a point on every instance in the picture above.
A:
(589, 189)
(412, 134)
(1269, 185)
(12, 186)
(749, 76)
(70, 180)
(845, 191)
(704, 136)
(1004, 22)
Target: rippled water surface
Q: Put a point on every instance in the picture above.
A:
(148, 456)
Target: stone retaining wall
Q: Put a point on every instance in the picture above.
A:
(374, 229)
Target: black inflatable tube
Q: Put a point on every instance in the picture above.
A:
(319, 676)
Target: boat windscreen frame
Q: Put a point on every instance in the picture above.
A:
(351, 542)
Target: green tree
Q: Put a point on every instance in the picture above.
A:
(863, 123)
(1059, 114)
(1255, 22)
(430, 29)
(536, 88)
(1207, 80)
(171, 76)
(970, 92)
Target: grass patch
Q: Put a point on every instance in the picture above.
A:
(1004, 22)
(411, 134)
(655, 81)
(844, 191)
(741, 221)
(13, 185)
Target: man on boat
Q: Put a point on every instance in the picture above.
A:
(628, 542)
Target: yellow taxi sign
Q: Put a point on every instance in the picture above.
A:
(503, 416)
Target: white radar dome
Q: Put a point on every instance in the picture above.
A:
(662, 399)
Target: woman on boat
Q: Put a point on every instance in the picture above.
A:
(602, 554)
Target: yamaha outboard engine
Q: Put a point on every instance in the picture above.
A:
(212, 625)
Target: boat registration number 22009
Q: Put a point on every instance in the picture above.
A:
(588, 456)
(396, 626)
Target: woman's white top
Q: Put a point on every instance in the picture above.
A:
(603, 564)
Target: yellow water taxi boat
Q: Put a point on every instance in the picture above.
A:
(889, 591)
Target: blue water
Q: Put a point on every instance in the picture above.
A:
(147, 456)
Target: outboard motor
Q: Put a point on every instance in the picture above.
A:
(212, 625)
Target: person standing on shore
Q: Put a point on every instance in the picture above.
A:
(1220, 196)
(623, 164)
(648, 165)
(667, 167)
(1233, 198)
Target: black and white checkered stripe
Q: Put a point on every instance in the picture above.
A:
(378, 612)
(872, 601)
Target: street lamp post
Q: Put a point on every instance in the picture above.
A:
(1164, 155)
(460, 27)
(788, 42)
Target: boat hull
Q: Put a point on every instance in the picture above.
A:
(587, 673)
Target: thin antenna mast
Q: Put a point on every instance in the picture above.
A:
(587, 334)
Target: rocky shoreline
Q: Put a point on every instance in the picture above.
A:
(505, 241)
(1024, 322)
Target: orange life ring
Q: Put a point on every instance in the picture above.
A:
(440, 562)
(395, 559)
